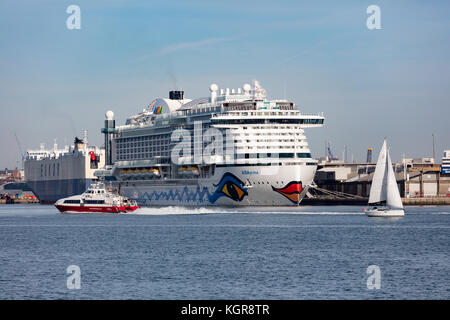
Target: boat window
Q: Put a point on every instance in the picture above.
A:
(95, 201)
(72, 201)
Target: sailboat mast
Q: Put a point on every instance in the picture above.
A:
(387, 175)
(378, 187)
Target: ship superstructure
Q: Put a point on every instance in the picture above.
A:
(55, 173)
(446, 162)
(235, 147)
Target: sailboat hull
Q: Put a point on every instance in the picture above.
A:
(384, 213)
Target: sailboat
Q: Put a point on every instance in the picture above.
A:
(384, 196)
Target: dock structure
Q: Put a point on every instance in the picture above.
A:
(18, 201)
(420, 182)
(16, 192)
(431, 201)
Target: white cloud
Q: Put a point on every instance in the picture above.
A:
(189, 45)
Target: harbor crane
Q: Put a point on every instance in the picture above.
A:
(329, 153)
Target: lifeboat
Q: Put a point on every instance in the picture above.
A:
(125, 174)
(96, 199)
(189, 171)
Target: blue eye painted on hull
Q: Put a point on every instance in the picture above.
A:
(229, 186)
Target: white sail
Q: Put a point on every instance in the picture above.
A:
(378, 188)
(393, 199)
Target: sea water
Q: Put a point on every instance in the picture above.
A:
(224, 253)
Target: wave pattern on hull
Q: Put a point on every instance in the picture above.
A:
(201, 195)
(229, 186)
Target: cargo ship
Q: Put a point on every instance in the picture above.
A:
(55, 173)
(234, 147)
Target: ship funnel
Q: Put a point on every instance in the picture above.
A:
(176, 95)
(79, 144)
(369, 155)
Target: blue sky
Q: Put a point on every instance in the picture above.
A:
(393, 82)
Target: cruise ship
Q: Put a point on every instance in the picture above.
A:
(55, 173)
(234, 147)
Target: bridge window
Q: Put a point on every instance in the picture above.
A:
(303, 155)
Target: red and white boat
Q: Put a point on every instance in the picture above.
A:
(96, 199)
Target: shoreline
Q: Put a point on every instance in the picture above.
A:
(305, 202)
(19, 201)
(434, 201)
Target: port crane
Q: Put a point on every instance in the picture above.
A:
(330, 154)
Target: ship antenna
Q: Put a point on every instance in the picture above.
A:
(85, 137)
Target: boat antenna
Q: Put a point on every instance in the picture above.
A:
(434, 154)
(85, 137)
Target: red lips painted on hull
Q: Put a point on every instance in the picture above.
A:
(291, 191)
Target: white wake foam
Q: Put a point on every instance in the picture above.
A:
(179, 210)
(175, 210)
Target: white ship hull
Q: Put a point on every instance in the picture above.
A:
(230, 186)
(49, 191)
(61, 173)
(385, 213)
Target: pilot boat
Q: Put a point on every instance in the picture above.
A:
(96, 199)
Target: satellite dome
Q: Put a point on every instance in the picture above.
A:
(246, 87)
(214, 87)
(109, 115)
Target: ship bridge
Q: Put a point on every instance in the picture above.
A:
(264, 116)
